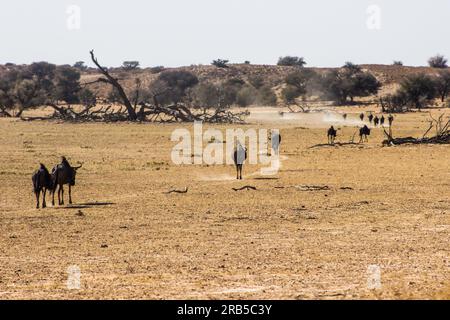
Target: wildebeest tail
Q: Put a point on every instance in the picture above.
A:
(54, 178)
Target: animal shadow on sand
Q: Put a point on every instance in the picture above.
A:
(86, 205)
(266, 178)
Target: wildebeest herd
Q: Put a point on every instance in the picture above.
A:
(44, 181)
(63, 173)
(364, 132)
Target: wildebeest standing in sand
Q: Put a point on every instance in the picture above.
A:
(42, 181)
(382, 120)
(364, 132)
(62, 174)
(331, 135)
(361, 116)
(275, 138)
(370, 118)
(376, 121)
(344, 116)
(239, 156)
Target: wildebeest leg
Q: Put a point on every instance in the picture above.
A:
(53, 196)
(59, 195)
(240, 172)
(37, 193)
(70, 195)
(62, 194)
(44, 204)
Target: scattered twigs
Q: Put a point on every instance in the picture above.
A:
(303, 109)
(245, 188)
(336, 144)
(442, 134)
(312, 188)
(181, 113)
(177, 191)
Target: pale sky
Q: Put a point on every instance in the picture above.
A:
(183, 32)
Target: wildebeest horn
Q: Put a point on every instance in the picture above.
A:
(76, 168)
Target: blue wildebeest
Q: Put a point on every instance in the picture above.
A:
(364, 132)
(275, 138)
(376, 121)
(331, 135)
(239, 156)
(62, 174)
(42, 181)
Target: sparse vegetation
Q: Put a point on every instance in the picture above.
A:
(349, 82)
(171, 86)
(130, 65)
(266, 96)
(297, 83)
(438, 61)
(291, 61)
(442, 84)
(87, 97)
(80, 65)
(220, 63)
(38, 84)
(246, 96)
(418, 89)
(42, 83)
(157, 69)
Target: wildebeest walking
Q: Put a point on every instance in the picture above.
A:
(364, 132)
(42, 181)
(239, 156)
(331, 135)
(62, 174)
(370, 118)
(361, 116)
(275, 138)
(376, 121)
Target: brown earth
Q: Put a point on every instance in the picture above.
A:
(385, 206)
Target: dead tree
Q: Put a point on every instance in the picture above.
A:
(132, 115)
(4, 113)
(137, 109)
(442, 134)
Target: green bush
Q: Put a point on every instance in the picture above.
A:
(266, 96)
(291, 61)
(220, 63)
(438, 61)
(419, 89)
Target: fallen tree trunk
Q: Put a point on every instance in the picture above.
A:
(4, 113)
(177, 191)
(245, 188)
(442, 135)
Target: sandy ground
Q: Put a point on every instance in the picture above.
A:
(387, 207)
